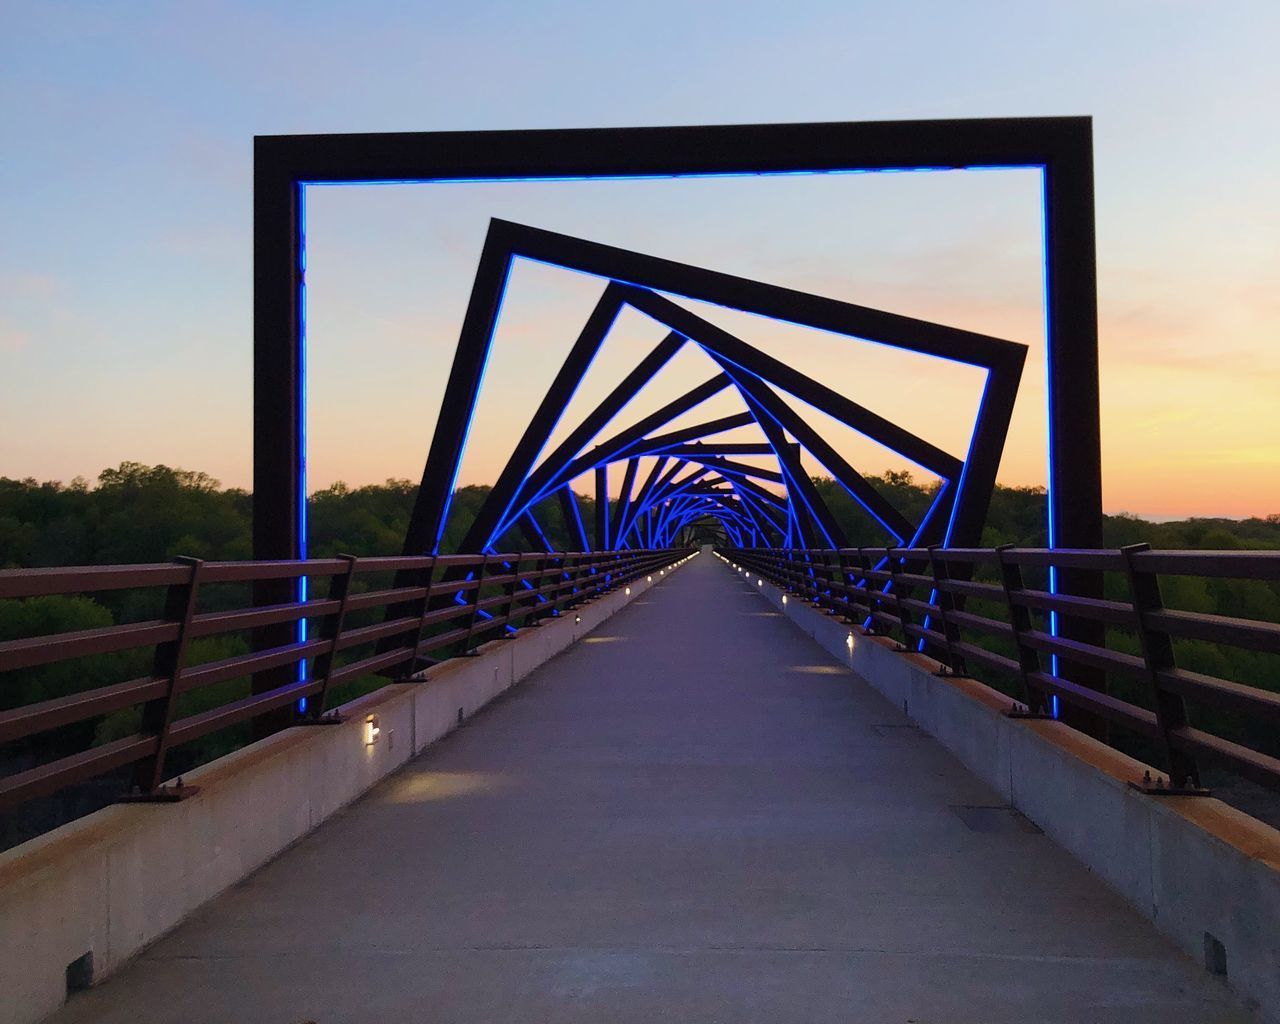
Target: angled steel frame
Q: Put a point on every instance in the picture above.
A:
(959, 507)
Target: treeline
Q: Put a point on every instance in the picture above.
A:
(139, 514)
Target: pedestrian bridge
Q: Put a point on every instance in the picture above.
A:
(696, 812)
(763, 785)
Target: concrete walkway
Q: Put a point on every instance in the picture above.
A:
(693, 816)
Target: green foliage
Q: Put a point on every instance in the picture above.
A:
(363, 521)
(146, 514)
(136, 514)
(41, 616)
(139, 514)
(126, 722)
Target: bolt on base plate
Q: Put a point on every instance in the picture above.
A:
(1160, 787)
(163, 795)
(1022, 711)
(328, 718)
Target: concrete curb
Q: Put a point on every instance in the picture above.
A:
(1200, 870)
(115, 881)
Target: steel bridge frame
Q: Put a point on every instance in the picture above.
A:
(1061, 148)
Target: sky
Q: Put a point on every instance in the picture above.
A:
(126, 221)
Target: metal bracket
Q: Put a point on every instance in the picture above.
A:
(1158, 787)
(328, 718)
(160, 795)
(1022, 711)
(423, 663)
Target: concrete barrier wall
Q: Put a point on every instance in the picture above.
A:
(114, 881)
(1202, 871)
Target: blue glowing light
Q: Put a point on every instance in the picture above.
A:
(466, 434)
(302, 426)
(964, 468)
(537, 528)
(461, 180)
(1048, 362)
(758, 410)
(577, 515)
(791, 522)
(870, 511)
(506, 518)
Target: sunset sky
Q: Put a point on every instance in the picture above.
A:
(126, 218)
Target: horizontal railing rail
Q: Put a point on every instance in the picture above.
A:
(433, 607)
(976, 607)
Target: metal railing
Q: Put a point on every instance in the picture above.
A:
(417, 608)
(944, 602)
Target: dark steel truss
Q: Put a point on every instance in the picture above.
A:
(653, 510)
(1060, 148)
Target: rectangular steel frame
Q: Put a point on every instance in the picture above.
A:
(1062, 148)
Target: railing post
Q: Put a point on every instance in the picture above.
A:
(572, 576)
(1157, 652)
(514, 569)
(1020, 623)
(568, 567)
(475, 605)
(340, 588)
(896, 585)
(870, 626)
(842, 564)
(830, 569)
(600, 570)
(594, 575)
(157, 715)
(533, 617)
(561, 577)
(429, 584)
(945, 601)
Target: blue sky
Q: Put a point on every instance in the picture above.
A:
(125, 206)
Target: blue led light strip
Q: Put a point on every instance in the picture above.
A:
(302, 526)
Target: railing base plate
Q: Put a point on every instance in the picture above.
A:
(330, 718)
(1021, 711)
(1150, 789)
(421, 665)
(163, 795)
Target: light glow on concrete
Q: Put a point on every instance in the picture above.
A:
(427, 787)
